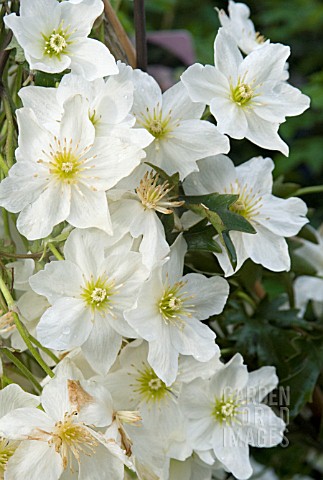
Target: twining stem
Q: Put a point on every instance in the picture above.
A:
(22, 329)
(140, 29)
(10, 133)
(44, 349)
(36, 255)
(22, 368)
(55, 252)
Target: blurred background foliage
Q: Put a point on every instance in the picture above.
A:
(263, 333)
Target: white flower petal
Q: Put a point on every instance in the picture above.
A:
(20, 423)
(266, 63)
(21, 187)
(34, 460)
(194, 339)
(231, 118)
(191, 140)
(260, 427)
(268, 249)
(147, 93)
(58, 279)
(173, 269)
(265, 134)
(204, 83)
(209, 295)
(92, 59)
(284, 217)
(215, 173)
(102, 465)
(89, 209)
(102, 346)
(227, 57)
(81, 17)
(51, 207)
(12, 397)
(177, 101)
(65, 325)
(85, 248)
(163, 358)
(76, 125)
(43, 102)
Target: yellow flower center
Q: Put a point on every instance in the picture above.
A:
(242, 94)
(248, 204)
(64, 160)
(260, 38)
(7, 449)
(72, 439)
(57, 42)
(225, 410)
(98, 294)
(173, 305)
(152, 196)
(149, 386)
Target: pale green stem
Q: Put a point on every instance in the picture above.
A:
(22, 329)
(55, 252)
(3, 166)
(44, 349)
(9, 143)
(22, 368)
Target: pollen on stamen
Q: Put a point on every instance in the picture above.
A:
(153, 196)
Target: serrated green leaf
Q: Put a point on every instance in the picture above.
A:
(225, 219)
(203, 240)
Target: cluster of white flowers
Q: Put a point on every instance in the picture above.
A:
(140, 385)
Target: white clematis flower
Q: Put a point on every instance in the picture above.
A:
(54, 35)
(247, 96)
(12, 397)
(225, 415)
(89, 292)
(135, 386)
(169, 311)
(64, 176)
(242, 29)
(57, 440)
(273, 218)
(173, 119)
(109, 104)
(136, 212)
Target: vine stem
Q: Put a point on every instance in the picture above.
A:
(24, 370)
(22, 329)
(10, 133)
(140, 28)
(55, 252)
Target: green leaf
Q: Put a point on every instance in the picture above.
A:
(43, 79)
(203, 240)
(207, 205)
(215, 208)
